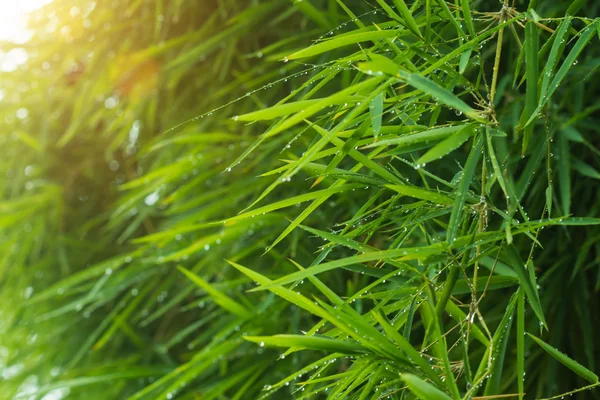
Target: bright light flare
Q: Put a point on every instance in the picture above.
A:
(13, 18)
(13, 28)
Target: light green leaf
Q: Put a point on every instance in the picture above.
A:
(527, 284)
(413, 253)
(548, 89)
(501, 337)
(532, 73)
(566, 360)
(463, 188)
(422, 389)
(376, 112)
(464, 61)
(419, 137)
(337, 98)
(277, 111)
(409, 21)
(220, 298)
(555, 53)
(292, 201)
(308, 342)
(466, 9)
(447, 145)
(406, 347)
(423, 194)
(441, 94)
(341, 41)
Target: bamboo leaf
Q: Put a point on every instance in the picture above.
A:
(419, 137)
(447, 145)
(566, 360)
(463, 187)
(223, 300)
(407, 17)
(422, 389)
(440, 94)
(308, 342)
(400, 254)
(341, 41)
(527, 285)
(532, 73)
(423, 194)
(376, 112)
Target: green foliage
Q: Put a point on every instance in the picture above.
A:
(311, 199)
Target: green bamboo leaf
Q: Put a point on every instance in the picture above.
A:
(449, 16)
(463, 188)
(221, 299)
(440, 94)
(575, 6)
(585, 169)
(277, 111)
(532, 73)
(406, 347)
(447, 145)
(341, 41)
(413, 253)
(419, 137)
(584, 37)
(464, 61)
(292, 201)
(566, 360)
(564, 172)
(548, 88)
(459, 316)
(313, 13)
(132, 372)
(423, 194)
(319, 309)
(495, 165)
(383, 4)
(528, 286)
(407, 17)
(308, 342)
(287, 294)
(376, 112)
(501, 337)
(549, 199)
(339, 239)
(521, 343)
(494, 282)
(466, 9)
(422, 389)
(338, 98)
(346, 149)
(554, 55)
(578, 221)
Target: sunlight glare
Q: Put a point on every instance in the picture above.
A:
(13, 18)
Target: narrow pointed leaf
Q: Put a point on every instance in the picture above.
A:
(220, 298)
(422, 389)
(447, 145)
(527, 285)
(463, 188)
(308, 342)
(341, 41)
(566, 360)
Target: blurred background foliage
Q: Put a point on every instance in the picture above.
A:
(125, 163)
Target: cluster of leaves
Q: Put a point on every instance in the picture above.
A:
(200, 203)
